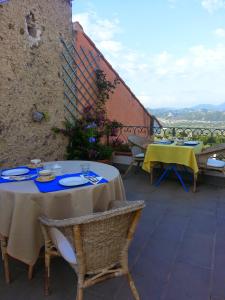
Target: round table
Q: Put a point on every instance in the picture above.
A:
(21, 204)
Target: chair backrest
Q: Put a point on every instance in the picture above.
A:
(139, 141)
(101, 240)
(105, 239)
(138, 144)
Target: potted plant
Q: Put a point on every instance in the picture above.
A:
(88, 135)
(120, 147)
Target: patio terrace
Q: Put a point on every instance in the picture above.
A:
(178, 252)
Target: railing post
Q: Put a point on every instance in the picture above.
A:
(173, 132)
(151, 127)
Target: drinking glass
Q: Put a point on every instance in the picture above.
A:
(56, 169)
(85, 168)
(36, 162)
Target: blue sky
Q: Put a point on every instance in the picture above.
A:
(169, 52)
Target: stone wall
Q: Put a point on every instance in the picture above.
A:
(30, 78)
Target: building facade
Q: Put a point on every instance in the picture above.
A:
(31, 87)
(123, 105)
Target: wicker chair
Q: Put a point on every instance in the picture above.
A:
(96, 245)
(138, 146)
(210, 158)
(5, 259)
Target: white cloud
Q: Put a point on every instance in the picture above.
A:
(207, 58)
(104, 33)
(172, 3)
(213, 5)
(112, 46)
(162, 58)
(98, 29)
(161, 79)
(145, 99)
(219, 32)
(196, 77)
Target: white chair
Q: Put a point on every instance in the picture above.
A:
(211, 158)
(215, 163)
(138, 146)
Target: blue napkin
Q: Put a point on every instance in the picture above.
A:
(31, 172)
(53, 186)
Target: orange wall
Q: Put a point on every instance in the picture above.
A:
(122, 106)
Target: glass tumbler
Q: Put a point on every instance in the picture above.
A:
(85, 169)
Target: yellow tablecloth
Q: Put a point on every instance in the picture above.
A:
(183, 155)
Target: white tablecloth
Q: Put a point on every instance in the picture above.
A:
(21, 203)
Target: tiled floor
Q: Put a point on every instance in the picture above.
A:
(178, 252)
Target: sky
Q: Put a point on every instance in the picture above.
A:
(171, 53)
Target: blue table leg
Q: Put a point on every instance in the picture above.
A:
(166, 173)
(180, 179)
(163, 176)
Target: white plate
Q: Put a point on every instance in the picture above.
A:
(191, 143)
(73, 181)
(15, 172)
(164, 142)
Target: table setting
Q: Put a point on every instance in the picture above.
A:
(49, 178)
(173, 153)
(59, 190)
(177, 142)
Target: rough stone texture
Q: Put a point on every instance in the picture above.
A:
(31, 81)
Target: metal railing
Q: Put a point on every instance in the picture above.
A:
(189, 132)
(120, 135)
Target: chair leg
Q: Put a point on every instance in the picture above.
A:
(3, 243)
(195, 182)
(6, 267)
(132, 287)
(47, 273)
(80, 293)
(138, 166)
(129, 168)
(30, 272)
(151, 175)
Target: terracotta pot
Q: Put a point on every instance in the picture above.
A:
(122, 153)
(105, 161)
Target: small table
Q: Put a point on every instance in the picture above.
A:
(173, 155)
(21, 204)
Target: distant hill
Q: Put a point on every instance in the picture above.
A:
(202, 115)
(211, 107)
(208, 107)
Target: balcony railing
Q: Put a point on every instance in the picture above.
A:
(120, 135)
(209, 135)
(189, 132)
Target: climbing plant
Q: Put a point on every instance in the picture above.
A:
(87, 135)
